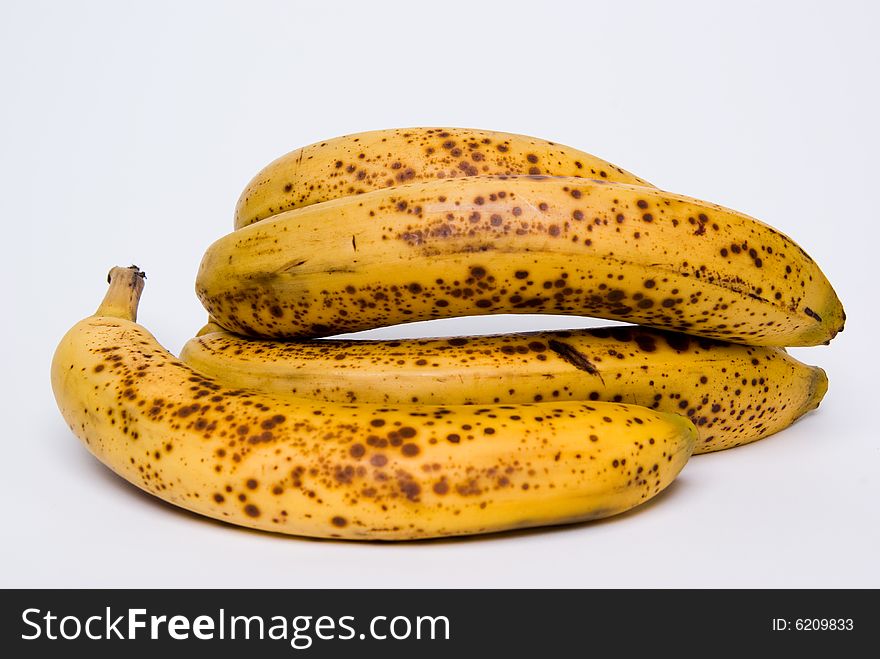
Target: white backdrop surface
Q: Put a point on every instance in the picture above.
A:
(128, 131)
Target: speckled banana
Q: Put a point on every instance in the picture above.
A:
(519, 244)
(354, 164)
(733, 393)
(349, 471)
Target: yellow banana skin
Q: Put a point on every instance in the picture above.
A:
(354, 164)
(519, 244)
(734, 394)
(348, 471)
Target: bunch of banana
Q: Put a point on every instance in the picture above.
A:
(263, 424)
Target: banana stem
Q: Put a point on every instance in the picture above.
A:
(124, 294)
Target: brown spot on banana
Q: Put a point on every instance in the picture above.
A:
(573, 356)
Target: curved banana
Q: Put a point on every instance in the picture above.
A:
(520, 244)
(348, 471)
(734, 394)
(354, 164)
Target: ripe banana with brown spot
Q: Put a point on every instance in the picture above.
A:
(733, 393)
(348, 471)
(520, 244)
(354, 164)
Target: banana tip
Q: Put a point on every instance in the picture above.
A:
(818, 389)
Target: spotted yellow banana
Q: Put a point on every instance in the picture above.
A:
(519, 244)
(389, 472)
(358, 163)
(733, 393)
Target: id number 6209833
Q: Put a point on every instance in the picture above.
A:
(813, 624)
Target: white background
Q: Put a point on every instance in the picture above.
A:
(127, 131)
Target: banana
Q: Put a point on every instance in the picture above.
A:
(348, 471)
(519, 244)
(354, 164)
(734, 394)
(357, 163)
